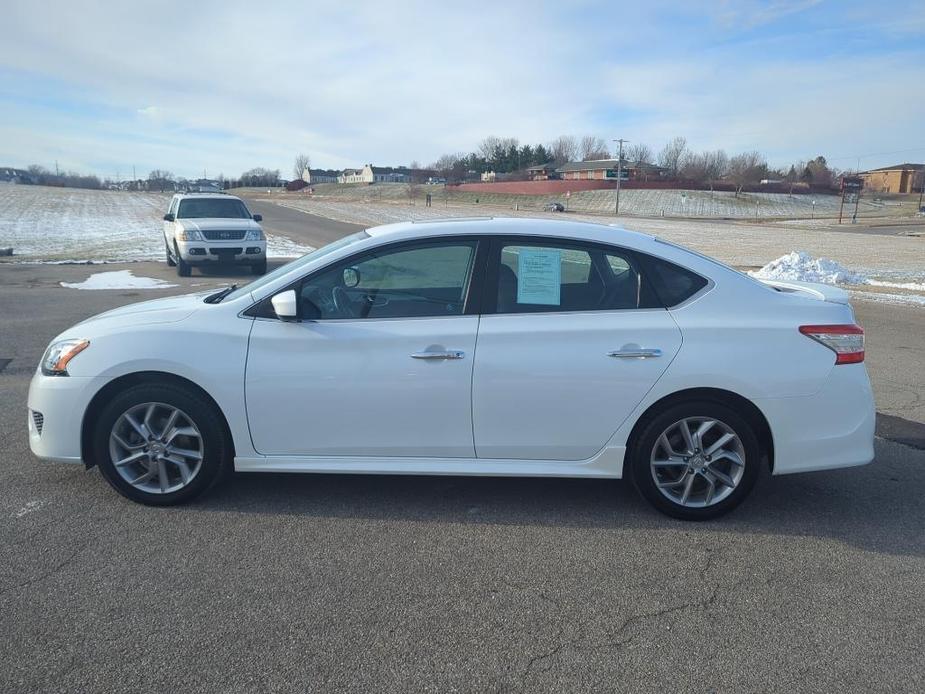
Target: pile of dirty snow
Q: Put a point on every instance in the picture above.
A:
(802, 267)
(118, 279)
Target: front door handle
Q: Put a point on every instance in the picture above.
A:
(635, 353)
(448, 354)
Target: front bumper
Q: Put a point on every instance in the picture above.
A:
(832, 428)
(204, 252)
(61, 402)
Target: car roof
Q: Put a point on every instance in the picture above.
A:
(521, 226)
(206, 195)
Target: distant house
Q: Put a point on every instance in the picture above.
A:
(312, 176)
(606, 170)
(542, 172)
(375, 174)
(11, 175)
(488, 177)
(901, 178)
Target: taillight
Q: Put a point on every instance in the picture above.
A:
(847, 341)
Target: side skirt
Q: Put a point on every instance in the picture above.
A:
(608, 463)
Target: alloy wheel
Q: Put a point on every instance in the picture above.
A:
(697, 462)
(156, 448)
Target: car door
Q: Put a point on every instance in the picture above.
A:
(573, 343)
(169, 225)
(380, 365)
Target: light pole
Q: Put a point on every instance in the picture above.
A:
(616, 208)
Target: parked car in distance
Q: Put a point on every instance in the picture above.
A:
(516, 347)
(554, 206)
(208, 228)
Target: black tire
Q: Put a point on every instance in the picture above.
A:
(259, 268)
(641, 452)
(216, 448)
(170, 261)
(184, 269)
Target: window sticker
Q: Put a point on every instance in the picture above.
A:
(539, 276)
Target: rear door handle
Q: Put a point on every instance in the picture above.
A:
(635, 353)
(448, 354)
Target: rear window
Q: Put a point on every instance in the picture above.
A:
(671, 283)
(225, 208)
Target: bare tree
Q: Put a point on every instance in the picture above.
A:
(302, 162)
(671, 155)
(162, 180)
(641, 154)
(593, 147)
(563, 149)
(747, 168)
(704, 167)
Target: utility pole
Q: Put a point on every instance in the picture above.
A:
(616, 209)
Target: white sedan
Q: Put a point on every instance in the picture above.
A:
(469, 347)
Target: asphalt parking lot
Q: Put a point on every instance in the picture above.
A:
(364, 583)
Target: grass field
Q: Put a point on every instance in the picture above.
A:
(642, 203)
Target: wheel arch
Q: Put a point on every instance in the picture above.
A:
(745, 407)
(116, 385)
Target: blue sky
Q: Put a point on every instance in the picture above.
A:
(225, 86)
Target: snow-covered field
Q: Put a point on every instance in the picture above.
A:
(885, 262)
(634, 202)
(68, 224)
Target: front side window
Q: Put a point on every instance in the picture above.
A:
(535, 278)
(212, 208)
(409, 282)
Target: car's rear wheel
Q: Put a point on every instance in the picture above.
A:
(696, 460)
(170, 261)
(160, 444)
(259, 268)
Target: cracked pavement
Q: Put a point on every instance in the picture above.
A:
(362, 583)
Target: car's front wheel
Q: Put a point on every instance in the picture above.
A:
(259, 268)
(160, 444)
(696, 460)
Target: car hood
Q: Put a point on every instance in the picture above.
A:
(218, 223)
(167, 310)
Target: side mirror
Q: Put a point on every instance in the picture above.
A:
(285, 305)
(257, 217)
(169, 217)
(351, 277)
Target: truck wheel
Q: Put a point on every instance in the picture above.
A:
(183, 267)
(259, 268)
(170, 260)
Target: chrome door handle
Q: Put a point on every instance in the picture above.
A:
(635, 353)
(448, 354)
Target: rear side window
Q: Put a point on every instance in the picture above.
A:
(543, 278)
(671, 283)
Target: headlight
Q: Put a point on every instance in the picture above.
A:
(59, 354)
(189, 235)
(254, 235)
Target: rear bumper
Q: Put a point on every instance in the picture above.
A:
(206, 252)
(832, 428)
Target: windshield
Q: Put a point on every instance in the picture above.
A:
(296, 264)
(227, 208)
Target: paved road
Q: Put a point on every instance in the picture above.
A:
(300, 226)
(364, 583)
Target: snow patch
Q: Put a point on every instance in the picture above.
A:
(118, 279)
(802, 267)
